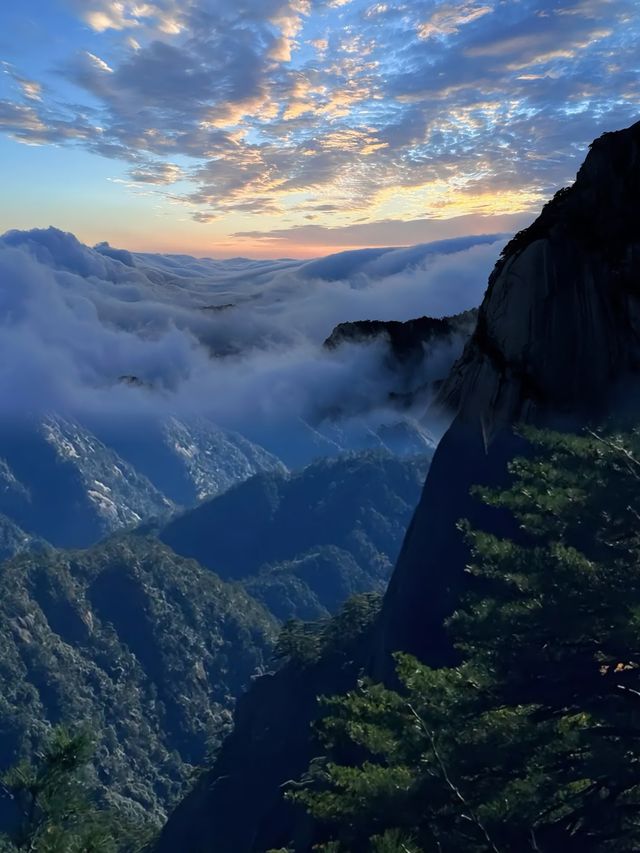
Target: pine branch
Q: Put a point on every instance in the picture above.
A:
(471, 816)
(633, 464)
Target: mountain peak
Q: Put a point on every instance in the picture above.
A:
(559, 328)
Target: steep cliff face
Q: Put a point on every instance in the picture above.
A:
(557, 342)
(560, 324)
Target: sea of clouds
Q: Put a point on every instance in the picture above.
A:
(91, 332)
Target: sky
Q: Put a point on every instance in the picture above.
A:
(296, 128)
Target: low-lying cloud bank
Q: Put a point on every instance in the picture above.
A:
(102, 332)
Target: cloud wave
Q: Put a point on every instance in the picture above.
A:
(103, 332)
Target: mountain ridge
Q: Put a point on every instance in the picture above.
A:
(305, 541)
(128, 639)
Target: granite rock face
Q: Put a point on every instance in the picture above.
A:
(557, 344)
(559, 329)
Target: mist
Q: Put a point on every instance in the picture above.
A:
(103, 333)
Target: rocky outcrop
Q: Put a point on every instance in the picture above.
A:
(557, 343)
(559, 329)
(414, 350)
(407, 340)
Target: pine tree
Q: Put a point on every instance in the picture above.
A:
(55, 810)
(531, 743)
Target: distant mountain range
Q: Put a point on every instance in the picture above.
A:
(303, 543)
(71, 482)
(151, 648)
(60, 482)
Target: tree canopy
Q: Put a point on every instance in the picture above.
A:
(531, 742)
(54, 807)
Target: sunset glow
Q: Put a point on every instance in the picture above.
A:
(297, 127)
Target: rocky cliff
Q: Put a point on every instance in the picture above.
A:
(416, 351)
(559, 327)
(557, 342)
(408, 340)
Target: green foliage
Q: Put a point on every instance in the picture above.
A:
(532, 742)
(299, 642)
(393, 841)
(305, 643)
(355, 618)
(146, 648)
(56, 812)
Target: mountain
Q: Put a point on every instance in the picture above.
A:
(315, 584)
(14, 541)
(408, 340)
(557, 343)
(238, 804)
(187, 459)
(73, 483)
(187, 375)
(340, 429)
(303, 543)
(149, 648)
(145, 648)
(417, 351)
(63, 484)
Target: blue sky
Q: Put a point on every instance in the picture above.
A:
(296, 127)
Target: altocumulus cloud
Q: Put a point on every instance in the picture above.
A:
(237, 341)
(267, 106)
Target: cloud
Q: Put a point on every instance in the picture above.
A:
(238, 341)
(32, 125)
(385, 232)
(98, 63)
(450, 17)
(103, 15)
(156, 173)
(388, 110)
(30, 89)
